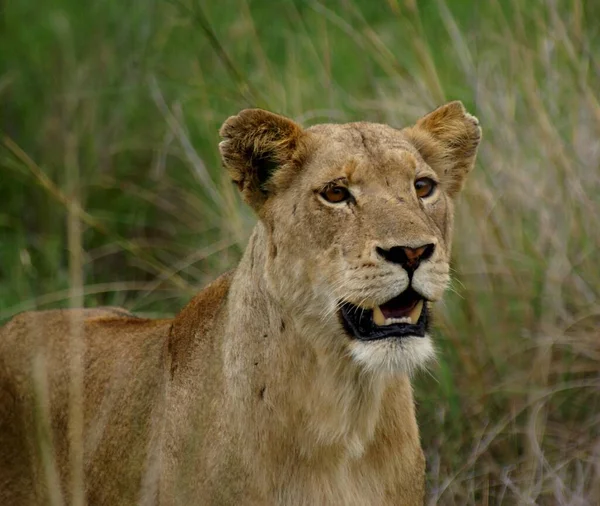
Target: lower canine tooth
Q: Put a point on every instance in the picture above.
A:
(415, 314)
(378, 317)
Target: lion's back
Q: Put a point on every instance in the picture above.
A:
(124, 362)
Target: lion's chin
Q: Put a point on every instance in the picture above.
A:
(392, 355)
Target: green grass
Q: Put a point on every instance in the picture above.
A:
(112, 191)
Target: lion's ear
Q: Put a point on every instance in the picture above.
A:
(447, 139)
(255, 144)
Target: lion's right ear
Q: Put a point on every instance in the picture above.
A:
(255, 144)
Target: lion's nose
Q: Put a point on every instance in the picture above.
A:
(409, 258)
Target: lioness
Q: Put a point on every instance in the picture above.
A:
(284, 382)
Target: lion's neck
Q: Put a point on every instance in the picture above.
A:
(279, 379)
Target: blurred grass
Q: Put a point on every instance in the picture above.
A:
(110, 179)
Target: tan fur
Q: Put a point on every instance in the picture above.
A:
(254, 394)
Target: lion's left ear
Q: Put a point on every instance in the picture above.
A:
(447, 139)
(256, 144)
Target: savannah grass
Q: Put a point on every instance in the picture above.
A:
(112, 193)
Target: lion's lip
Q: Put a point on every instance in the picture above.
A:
(402, 316)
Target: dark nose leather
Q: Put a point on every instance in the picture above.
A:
(408, 258)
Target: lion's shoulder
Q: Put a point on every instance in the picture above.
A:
(196, 319)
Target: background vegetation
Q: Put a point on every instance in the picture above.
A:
(111, 190)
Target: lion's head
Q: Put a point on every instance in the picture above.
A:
(356, 223)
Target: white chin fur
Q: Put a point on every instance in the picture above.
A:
(392, 356)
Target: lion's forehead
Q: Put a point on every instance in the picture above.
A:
(362, 151)
(361, 136)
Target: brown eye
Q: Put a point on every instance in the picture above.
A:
(424, 187)
(336, 194)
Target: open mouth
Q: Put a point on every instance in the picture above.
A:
(404, 315)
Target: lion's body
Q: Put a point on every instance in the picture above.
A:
(254, 394)
(139, 371)
(123, 381)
